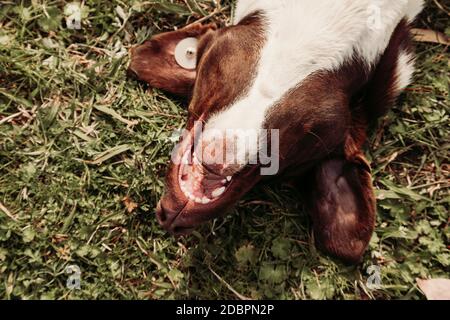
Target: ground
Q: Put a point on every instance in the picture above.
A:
(83, 152)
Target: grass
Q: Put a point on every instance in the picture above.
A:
(83, 153)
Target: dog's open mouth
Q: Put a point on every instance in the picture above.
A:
(199, 183)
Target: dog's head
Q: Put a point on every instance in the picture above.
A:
(242, 124)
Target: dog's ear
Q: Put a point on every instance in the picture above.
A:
(168, 61)
(342, 205)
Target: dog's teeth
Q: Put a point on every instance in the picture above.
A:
(218, 192)
(196, 160)
(205, 200)
(229, 178)
(198, 200)
(192, 197)
(185, 159)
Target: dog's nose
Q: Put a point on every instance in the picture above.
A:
(167, 219)
(132, 74)
(165, 216)
(162, 215)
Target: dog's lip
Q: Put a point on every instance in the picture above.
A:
(192, 214)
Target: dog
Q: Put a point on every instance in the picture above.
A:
(313, 73)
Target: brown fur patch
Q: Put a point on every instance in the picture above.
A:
(228, 61)
(154, 61)
(342, 207)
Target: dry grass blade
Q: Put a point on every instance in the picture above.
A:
(7, 212)
(237, 294)
(108, 154)
(424, 35)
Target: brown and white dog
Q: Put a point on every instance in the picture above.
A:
(316, 73)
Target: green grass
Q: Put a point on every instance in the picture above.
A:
(79, 143)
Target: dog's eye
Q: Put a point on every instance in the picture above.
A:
(186, 53)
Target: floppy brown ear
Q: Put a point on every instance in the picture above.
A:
(342, 205)
(154, 61)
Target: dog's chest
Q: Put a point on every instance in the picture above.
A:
(304, 36)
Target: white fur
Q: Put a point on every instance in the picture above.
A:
(405, 71)
(413, 8)
(304, 36)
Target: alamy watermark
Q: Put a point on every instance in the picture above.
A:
(374, 279)
(374, 20)
(230, 147)
(73, 13)
(74, 277)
